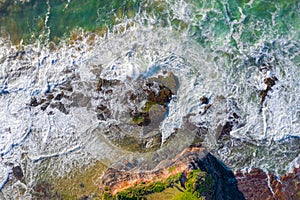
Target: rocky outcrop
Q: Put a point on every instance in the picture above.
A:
(193, 158)
(258, 185)
(144, 105)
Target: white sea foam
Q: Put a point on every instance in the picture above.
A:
(229, 81)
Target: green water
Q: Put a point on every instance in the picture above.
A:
(27, 21)
(229, 31)
(210, 22)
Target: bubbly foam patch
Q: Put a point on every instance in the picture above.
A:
(49, 97)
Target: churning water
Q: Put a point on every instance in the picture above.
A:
(229, 52)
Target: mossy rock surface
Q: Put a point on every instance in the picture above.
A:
(80, 183)
(196, 185)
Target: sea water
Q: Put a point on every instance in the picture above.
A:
(223, 50)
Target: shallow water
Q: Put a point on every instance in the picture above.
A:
(218, 49)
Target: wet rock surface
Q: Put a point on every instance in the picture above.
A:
(144, 105)
(61, 99)
(227, 118)
(269, 82)
(257, 184)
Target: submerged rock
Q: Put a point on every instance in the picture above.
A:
(168, 79)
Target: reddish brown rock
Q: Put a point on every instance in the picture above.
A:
(255, 185)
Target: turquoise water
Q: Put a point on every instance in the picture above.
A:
(225, 50)
(236, 22)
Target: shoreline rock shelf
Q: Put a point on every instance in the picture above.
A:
(194, 172)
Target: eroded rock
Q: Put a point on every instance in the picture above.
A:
(223, 183)
(258, 185)
(144, 105)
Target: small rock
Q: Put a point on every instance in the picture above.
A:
(60, 106)
(204, 100)
(270, 82)
(44, 106)
(59, 96)
(104, 83)
(17, 172)
(33, 102)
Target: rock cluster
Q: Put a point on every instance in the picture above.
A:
(144, 105)
(54, 99)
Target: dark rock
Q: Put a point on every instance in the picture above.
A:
(50, 96)
(44, 106)
(202, 131)
(163, 97)
(59, 96)
(206, 108)
(33, 102)
(17, 172)
(265, 67)
(235, 116)
(104, 83)
(223, 129)
(60, 106)
(103, 112)
(204, 100)
(67, 86)
(270, 82)
(132, 97)
(263, 95)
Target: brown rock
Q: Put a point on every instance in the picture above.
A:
(204, 100)
(169, 80)
(192, 158)
(254, 185)
(33, 102)
(270, 82)
(118, 180)
(104, 83)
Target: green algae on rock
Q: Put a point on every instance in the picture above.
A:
(144, 107)
(192, 174)
(196, 185)
(77, 184)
